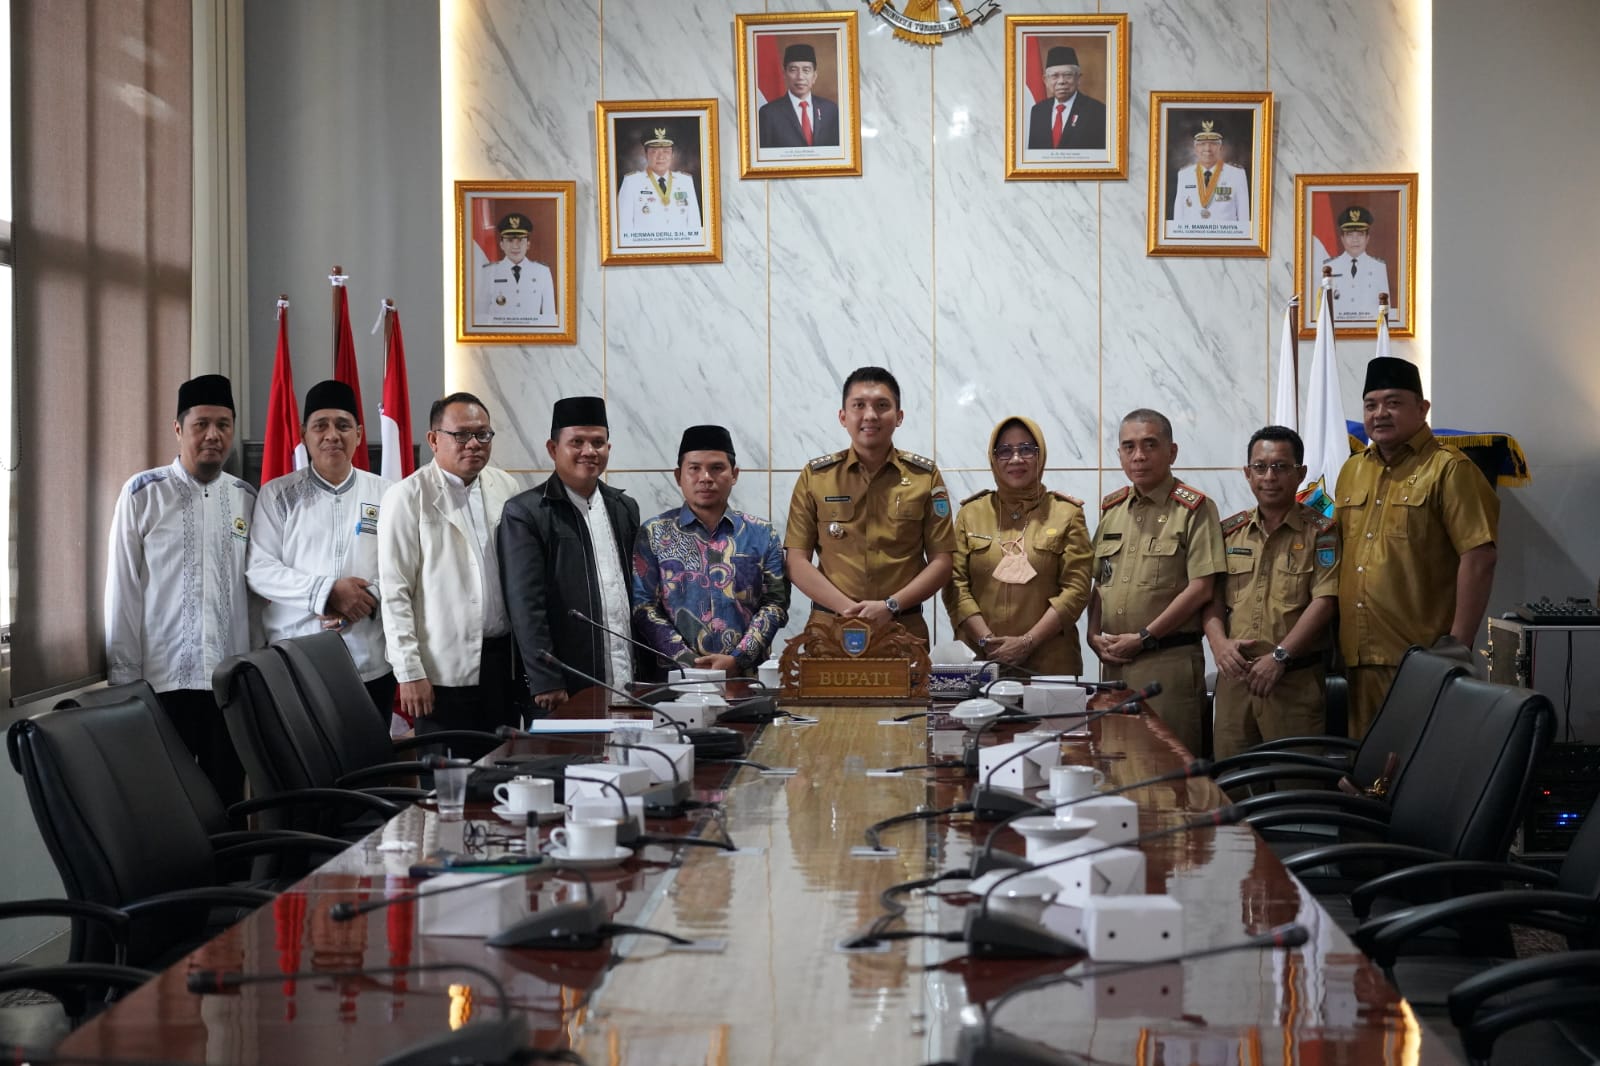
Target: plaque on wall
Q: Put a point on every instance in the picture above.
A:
(845, 660)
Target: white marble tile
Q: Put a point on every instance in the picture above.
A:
(687, 344)
(852, 263)
(1016, 266)
(509, 123)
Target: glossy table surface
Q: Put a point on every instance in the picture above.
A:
(767, 981)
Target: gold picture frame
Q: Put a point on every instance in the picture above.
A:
(773, 128)
(681, 220)
(1229, 137)
(1090, 143)
(537, 301)
(1331, 213)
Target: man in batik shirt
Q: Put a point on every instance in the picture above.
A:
(708, 583)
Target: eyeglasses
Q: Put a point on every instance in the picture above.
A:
(1020, 451)
(1276, 468)
(461, 436)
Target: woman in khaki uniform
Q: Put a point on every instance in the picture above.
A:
(1022, 562)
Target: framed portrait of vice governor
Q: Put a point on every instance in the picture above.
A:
(659, 197)
(798, 84)
(515, 252)
(1066, 97)
(1210, 173)
(1362, 227)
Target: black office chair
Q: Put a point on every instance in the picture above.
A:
(362, 750)
(1383, 754)
(1460, 797)
(119, 822)
(284, 751)
(80, 989)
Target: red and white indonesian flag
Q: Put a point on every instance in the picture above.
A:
(769, 69)
(1326, 435)
(284, 450)
(344, 357)
(394, 412)
(1033, 67)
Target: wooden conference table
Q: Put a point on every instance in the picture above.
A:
(780, 990)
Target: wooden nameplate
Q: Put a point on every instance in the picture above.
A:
(845, 660)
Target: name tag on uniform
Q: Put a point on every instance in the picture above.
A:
(836, 499)
(1241, 551)
(1111, 536)
(368, 522)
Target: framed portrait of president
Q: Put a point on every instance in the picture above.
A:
(799, 90)
(515, 248)
(1066, 97)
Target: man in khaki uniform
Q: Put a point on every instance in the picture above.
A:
(877, 518)
(1268, 622)
(1157, 551)
(1420, 520)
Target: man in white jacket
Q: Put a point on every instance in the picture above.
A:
(176, 603)
(444, 617)
(314, 554)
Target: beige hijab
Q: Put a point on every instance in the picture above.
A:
(1010, 501)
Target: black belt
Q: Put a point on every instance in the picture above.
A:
(1177, 640)
(898, 614)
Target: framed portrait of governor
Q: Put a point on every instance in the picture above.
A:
(799, 87)
(657, 178)
(515, 248)
(1363, 227)
(1210, 173)
(1066, 97)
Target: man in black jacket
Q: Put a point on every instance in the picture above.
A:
(567, 544)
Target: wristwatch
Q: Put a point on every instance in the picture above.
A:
(1150, 641)
(1280, 655)
(892, 603)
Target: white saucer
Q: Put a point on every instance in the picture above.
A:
(1047, 829)
(560, 857)
(521, 817)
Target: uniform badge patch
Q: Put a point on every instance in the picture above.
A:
(368, 522)
(1327, 550)
(941, 506)
(241, 528)
(855, 636)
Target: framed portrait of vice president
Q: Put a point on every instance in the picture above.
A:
(1210, 173)
(799, 87)
(1066, 97)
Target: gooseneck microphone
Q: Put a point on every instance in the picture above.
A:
(1002, 936)
(478, 1041)
(711, 742)
(672, 664)
(985, 858)
(981, 1044)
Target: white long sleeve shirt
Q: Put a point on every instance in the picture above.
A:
(308, 535)
(176, 602)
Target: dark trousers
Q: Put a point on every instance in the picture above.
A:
(199, 722)
(485, 706)
(381, 689)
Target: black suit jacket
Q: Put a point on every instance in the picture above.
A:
(1086, 124)
(779, 127)
(547, 568)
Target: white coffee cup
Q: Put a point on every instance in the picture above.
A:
(523, 795)
(586, 838)
(1074, 782)
(607, 806)
(768, 673)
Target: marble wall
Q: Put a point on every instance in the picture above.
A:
(984, 297)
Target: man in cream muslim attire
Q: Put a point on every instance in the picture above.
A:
(657, 205)
(176, 604)
(1210, 191)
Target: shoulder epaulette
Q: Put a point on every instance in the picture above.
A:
(1190, 498)
(822, 462)
(921, 462)
(1064, 498)
(1115, 498)
(977, 496)
(145, 480)
(1319, 521)
(1233, 522)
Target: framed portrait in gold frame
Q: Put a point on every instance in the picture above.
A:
(1210, 174)
(1066, 97)
(515, 251)
(1364, 228)
(799, 89)
(657, 167)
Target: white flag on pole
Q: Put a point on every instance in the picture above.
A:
(1285, 399)
(1326, 435)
